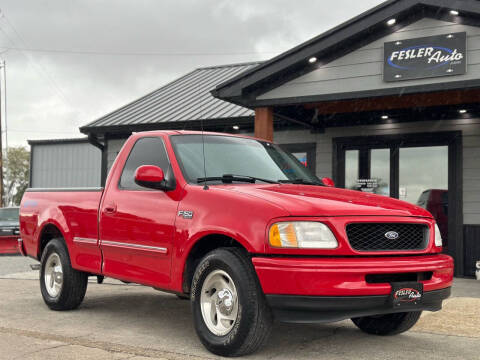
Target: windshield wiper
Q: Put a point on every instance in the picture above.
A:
(299, 181)
(229, 178)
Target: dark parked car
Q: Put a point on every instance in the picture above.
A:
(9, 230)
(436, 202)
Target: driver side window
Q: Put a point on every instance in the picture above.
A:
(146, 151)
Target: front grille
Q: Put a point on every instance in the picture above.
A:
(372, 236)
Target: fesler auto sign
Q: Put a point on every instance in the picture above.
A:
(443, 55)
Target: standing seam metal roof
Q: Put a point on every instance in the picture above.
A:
(187, 98)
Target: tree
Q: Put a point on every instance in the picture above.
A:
(16, 174)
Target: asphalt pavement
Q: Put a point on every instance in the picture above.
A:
(119, 321)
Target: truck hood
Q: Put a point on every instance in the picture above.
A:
(305, 200)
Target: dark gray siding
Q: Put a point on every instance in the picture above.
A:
(362, 69)
(56, 165)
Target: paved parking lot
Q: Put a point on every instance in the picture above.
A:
(118, 321)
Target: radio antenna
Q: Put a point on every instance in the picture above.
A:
(205, 186)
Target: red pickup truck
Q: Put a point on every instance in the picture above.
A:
(246, 231)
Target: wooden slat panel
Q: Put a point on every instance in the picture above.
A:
(264, 123)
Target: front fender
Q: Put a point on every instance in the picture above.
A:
(221, 212)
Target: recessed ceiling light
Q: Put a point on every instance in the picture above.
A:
(462, 111)
(385, 117)
(236, 127)
(391, 22)
(312, 60)
(398, 43)
(449, 36)
(454, 12)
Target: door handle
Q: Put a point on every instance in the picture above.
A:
(110, 209)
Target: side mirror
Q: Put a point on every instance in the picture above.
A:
(328, 182)
(150, 176)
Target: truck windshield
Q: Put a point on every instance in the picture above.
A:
(9, 214)
(234, 156)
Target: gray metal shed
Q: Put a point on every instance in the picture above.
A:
(64, 163)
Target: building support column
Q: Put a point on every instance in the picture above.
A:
(264, 123)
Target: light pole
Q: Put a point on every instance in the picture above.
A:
(1, 147)
(4, 67)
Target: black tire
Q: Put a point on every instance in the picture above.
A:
(254, 319)
(183, 296)
(389, 324)
(74, 284)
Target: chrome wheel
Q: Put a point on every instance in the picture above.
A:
(219, 302)
(53, 275)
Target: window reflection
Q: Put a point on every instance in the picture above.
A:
(380, 170)
(421, 169)
(351, 169)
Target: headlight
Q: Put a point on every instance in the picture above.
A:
(302, 235)
(438, 237)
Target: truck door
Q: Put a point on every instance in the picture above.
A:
(136, 223)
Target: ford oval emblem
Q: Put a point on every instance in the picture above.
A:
(392, 235)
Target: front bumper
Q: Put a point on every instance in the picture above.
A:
(327, 289)
(322, 309)
(346, 276)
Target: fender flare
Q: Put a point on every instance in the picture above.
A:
(52, 222)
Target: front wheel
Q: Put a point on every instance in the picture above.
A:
(62, 287)
(231, 316)
(389, 324)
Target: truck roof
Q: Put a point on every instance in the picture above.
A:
(193, 132)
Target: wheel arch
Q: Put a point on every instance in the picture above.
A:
(202, 247)
(48, 232)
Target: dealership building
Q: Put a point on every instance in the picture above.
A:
(388, 103)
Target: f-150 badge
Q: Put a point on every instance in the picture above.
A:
(186, 214)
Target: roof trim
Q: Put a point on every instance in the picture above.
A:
(57, 141)
(177, 125)
(337, 42)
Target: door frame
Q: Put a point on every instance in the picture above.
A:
(452, 139)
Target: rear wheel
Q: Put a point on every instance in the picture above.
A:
(62, 287)
(389, 324)
(230, 312)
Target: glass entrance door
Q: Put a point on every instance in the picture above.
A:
(424, 181)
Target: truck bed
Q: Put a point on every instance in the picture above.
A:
(72, 210)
